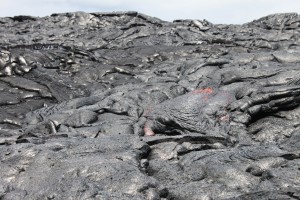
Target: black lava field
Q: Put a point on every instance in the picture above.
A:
(126, 106)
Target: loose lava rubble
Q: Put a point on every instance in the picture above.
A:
(126, 106)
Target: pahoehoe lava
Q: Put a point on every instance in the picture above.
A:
(122, 105)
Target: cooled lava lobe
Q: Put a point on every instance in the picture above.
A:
(126, 106)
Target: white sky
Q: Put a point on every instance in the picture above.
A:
(215, 11)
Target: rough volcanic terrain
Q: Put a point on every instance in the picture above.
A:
(127, 106)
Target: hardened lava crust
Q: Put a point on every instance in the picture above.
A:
(126, 106)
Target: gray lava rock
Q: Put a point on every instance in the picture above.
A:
(126, 106)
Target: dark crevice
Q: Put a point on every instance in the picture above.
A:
(195, 139)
